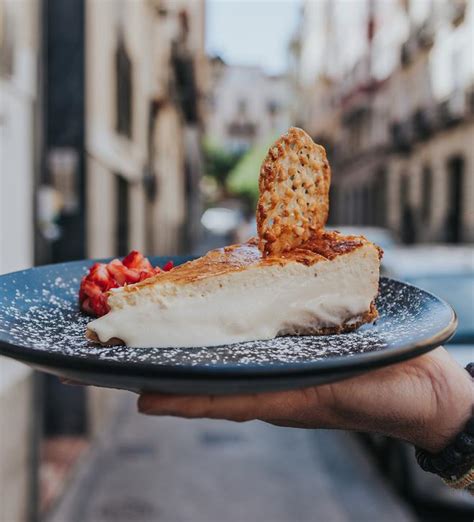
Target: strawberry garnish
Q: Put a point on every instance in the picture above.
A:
(137, 261)
(122, 274)
(87, 307)
(145, 274)
(169, 265)
(94, 299)
(102, 277)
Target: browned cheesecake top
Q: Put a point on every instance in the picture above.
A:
(321, 246)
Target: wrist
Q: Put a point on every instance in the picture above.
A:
(449, 408)
(455, 462)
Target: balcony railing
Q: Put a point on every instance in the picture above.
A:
(424, 123)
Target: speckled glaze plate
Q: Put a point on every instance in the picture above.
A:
(41, 325)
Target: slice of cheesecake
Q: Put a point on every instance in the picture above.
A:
(295, 278)
(327, 284)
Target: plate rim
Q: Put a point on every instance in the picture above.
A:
(332, 364)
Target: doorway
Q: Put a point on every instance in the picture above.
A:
(454, 193)
(122, 216)
(407, 224)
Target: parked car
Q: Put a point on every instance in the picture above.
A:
(221, 221)
(448, 272)
(219, 226)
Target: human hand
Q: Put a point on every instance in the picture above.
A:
(425, 401)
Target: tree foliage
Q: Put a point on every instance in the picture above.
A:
(218, 162)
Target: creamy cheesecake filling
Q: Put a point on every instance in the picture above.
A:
(256, 303)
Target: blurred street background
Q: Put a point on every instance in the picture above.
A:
(141, 124)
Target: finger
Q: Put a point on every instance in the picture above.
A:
(237, 407)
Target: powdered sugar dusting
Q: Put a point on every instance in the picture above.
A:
(39, 310)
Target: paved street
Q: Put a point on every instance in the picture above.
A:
(172, 470)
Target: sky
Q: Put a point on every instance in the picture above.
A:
(251, 32)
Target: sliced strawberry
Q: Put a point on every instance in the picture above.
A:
(93, 299)
(102, 277)
(100, 306)
(133, 276)
(82, 294)
(87, 307)
(122, 274)
(99, 274)
(91, 289)
(137, 261)
(146, 274)
(169, 265)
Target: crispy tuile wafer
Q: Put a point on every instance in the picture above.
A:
(294, 193)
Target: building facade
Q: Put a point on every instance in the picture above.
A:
(19, 44)
(19, 51)
(144, 69)
(396, 113)
(100, 152)
(245, 106)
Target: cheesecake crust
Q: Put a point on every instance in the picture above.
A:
(348, 326)
(94, 338)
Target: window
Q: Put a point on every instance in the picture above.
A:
(427, 193)
(185, 83)
(122, 213)
(380, 196)
(407, 225)
(404, 190)
(273, 107)
(124, 90)
(366, 210)
(455, 186)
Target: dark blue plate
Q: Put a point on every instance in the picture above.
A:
(41, 325)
